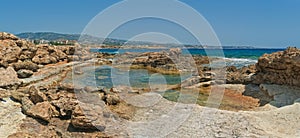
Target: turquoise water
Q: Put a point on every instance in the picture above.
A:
(107, 77)
(232, 57)
(253, 54)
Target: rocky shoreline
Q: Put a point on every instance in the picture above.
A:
(259, 100)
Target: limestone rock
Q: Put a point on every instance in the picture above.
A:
(44, 111)
(28, 65)
(36, 96)
(16, 95)
(112, 99)
(4, 36)
(65, 104)
(9, 52)
(9, 78)
(281, 68)
(23, 73)
(26, 104)
(240, 76)
(43, 55)
(4, 93)
(88, 116)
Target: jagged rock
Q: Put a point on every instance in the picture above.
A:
(281, 68)
(16, 95)
(88, 116)
(23, 73)
(26, 104)
(59, 55)
(112, 99)
(4, 93)
(9, 78)
(9, 52)
(231, 69)
(36, 96)
(28, 65)
(114, 90)
(66, 104)
(4, 36)
(44, 111)
(240, 76)
(43, 55)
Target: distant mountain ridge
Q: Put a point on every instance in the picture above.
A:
(51, 36)
(48, 36)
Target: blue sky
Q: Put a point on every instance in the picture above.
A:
(260, 23)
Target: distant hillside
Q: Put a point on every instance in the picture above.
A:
(87, 39)
(48, 36)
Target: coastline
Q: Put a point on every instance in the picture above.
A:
(253, 103)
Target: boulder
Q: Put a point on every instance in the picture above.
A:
(43, 57)
(23, 73)
(36, 96)
(27, 65)
(88, 117)
(9, 52)
(240, 76)
(16, 95)
(44, 111)
(282, 68)
(26, 104)
(65, 104)
(4, 36)
(9, 78)
(68, 87)
(112, 99)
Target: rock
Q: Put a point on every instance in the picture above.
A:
(36, 96)
(231, 69)
(282, 68)
(90, 89)
(240, 76)
(68, 87)
(88, 117)
(59, 55)
(23, 135)
(73, 58)
(26, 104)
(4, 93)
(112, 99)
(43, 55)
(9, 78)
(44, 111)
(11, 117)
(282, 95)
(16, 95)
(23, 73)
(4, 36)
(114, 90)
(28, 65)
(9, 52)
(65, 104)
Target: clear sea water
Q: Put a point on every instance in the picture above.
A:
(233, 57)
(107, 76)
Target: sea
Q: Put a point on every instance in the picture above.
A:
(107, 76)
(232, 57)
